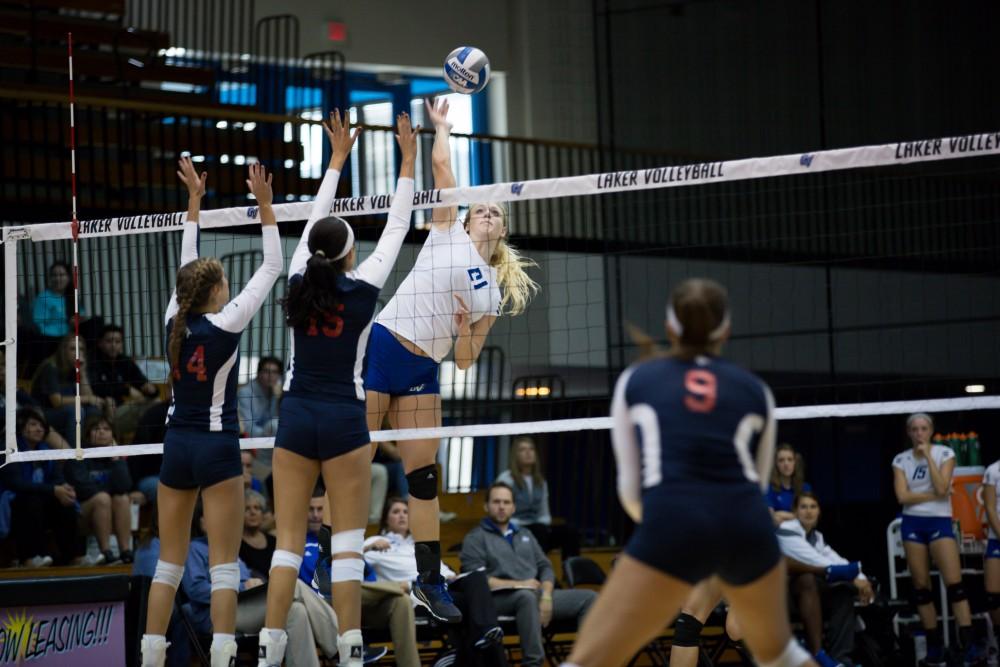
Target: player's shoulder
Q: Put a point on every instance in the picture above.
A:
(992, 473)
(942, 452)
(902, 459)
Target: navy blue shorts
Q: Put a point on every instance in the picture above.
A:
(197, 459)
(321, 430)
(926, 529)
(992, 549)
(692, 533)
(394, 370)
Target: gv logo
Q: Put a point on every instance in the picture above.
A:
(516, 188)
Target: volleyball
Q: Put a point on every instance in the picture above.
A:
(467, 70)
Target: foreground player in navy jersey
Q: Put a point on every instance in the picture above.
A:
(201, 449)
(694, 440)
(323, 428)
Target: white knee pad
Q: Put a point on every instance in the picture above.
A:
(282, 558)
(348, 541)
(225, 577)
(347, 569)
(168, 574)
(793, 656)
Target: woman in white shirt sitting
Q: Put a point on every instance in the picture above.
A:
(390, 555)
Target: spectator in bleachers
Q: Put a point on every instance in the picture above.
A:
(250, 482)
(25, 401)
(922, 482)
(115, 375)
(54, 387)
(308, 610)
(519, 574)
(102, 488)
(147, 552)
(258, 407)
(52, 309)
(145, 468)
(788, 480)
(42, 499)
(387, 454)
(257, 546)
(382, 604)
(822, 578)
(391, 555)
(531, 498)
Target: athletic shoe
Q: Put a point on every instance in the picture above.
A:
(975, 654)
(92, 561)
(490, 638)
(847, 572)
(435, 598)
(934, 658)
(374, 653)
(126, 557)
(446, 660)
(38, 561)
(825, 660)
(110, 559)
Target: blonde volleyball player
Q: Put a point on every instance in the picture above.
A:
(201, 449)
(692, 425)
(323, 429)
(464, 277)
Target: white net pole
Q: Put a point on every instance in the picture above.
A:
(10, 338)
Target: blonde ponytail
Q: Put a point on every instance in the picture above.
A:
(516, 285)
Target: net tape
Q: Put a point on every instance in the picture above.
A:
(839, 410)
(928, 150)
(699, 173)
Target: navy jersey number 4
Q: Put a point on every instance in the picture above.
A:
(685, 422)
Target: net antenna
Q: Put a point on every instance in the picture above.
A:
(75, 226)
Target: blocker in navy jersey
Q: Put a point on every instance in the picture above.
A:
(694, 441)
(201, 447)
(323, 409)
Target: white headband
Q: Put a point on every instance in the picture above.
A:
(348, 243)
(674, 323)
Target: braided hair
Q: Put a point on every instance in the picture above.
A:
(195, 281)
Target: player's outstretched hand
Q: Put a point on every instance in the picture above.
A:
(406, 137)
(259, 184)
(195, 183)
(338, 131)
(437, 112)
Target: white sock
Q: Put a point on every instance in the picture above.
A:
(351, 648)
(154, 650)
(272, 647)
(223, 652)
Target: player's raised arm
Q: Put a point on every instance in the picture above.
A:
(341, 138)
(444, 177)
(376, 268)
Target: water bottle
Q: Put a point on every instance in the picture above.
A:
(975, 456)
(963, 448)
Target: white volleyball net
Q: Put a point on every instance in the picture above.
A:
(863, 281)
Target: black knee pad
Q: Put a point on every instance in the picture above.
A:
(922, 596)
(956, 593)
(993, 601)
(687, 631)
(423, 482)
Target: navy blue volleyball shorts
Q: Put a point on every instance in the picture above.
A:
(197, 459)
(694, 532)
(394, 370)
(321, 430)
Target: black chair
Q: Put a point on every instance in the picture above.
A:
(582, 571)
